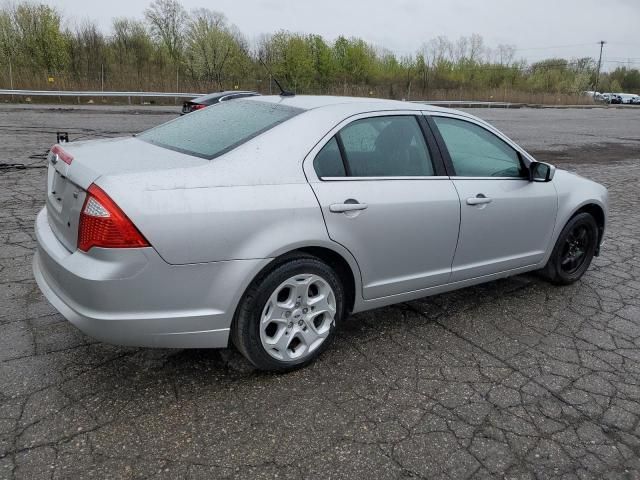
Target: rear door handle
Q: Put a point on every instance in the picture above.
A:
(479, 199)
(347, 207)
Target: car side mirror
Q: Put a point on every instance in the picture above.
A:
(541, 172)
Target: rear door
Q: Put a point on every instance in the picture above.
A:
(506, 220)
(384, 197)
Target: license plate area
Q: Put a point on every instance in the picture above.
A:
(57, 190)
(64, 202)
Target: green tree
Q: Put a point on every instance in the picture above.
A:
(290, 56)
(40, 40)
(628, 79)
(212, 47)
(9, 37)
(322, 60)
(355, 59)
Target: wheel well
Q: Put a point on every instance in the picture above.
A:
(598, 214)
(341, 267)
(331, 258)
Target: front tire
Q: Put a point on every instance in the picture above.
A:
(573, 251)
(288, 316)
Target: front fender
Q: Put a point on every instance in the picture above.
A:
(575, 193)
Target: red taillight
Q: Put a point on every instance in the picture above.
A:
(197, 106)
(61, 154)
(103, 224)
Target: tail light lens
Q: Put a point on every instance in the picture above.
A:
(61, 154)
(197, 106)
(104, 224)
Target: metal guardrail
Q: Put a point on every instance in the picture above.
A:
(129, 95)
(83, 93)
(470, 103)
(79, 93)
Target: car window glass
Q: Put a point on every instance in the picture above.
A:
(215, 130)
(392, 146)
(361, 135)
(328, 162)
(476, 152)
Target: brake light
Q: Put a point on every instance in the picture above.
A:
(61, 154)
(104, 224)
(197, 106)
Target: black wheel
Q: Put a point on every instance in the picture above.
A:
(573, 251)
(288, 316)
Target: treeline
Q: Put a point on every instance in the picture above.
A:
(172, 49)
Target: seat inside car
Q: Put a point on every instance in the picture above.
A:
(398, 152)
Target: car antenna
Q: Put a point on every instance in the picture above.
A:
(283, 92)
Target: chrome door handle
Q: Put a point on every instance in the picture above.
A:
(347, 207)
(479, 199)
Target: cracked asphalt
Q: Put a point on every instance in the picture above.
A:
(513, 379)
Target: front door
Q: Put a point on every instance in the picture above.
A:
(506, 220)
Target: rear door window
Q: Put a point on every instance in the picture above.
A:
(387, 146)
(328, 162)
(217, 129)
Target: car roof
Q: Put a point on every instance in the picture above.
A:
(352, 105)
(211, 96)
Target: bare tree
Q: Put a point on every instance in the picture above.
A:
(132, 45)
(460, 50)
(505, 54)
(476, 48)
(88, 49)
(167, 20)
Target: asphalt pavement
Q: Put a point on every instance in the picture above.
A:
(513, 379)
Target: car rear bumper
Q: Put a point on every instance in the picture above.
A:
(133, 297)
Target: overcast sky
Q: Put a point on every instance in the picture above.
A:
(572, 27)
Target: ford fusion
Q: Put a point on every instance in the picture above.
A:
(267, 220)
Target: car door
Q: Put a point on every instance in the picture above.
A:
(506, 220)
(385, 198)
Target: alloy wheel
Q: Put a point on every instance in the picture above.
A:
(575, 248)
(297, 318)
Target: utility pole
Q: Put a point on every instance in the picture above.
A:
(602, 42)
(10, 78)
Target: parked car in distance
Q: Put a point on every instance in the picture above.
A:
(199, 103)
(612, 98)
(299, 211)
(635, 100)
(625, 97)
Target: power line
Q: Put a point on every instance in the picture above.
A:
(554, 46)
(623, 62)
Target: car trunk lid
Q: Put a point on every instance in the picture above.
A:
(73, 167)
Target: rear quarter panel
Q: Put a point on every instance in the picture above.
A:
(194, 225)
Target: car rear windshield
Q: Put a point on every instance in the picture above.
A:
(215, 130)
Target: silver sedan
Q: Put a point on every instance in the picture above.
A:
(267, 220)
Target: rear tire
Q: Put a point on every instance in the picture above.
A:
(573, 251)
(288, 316)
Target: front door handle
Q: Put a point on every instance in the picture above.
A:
(347, 207)
(479, 199)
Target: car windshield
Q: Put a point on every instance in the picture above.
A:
(215, 130)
